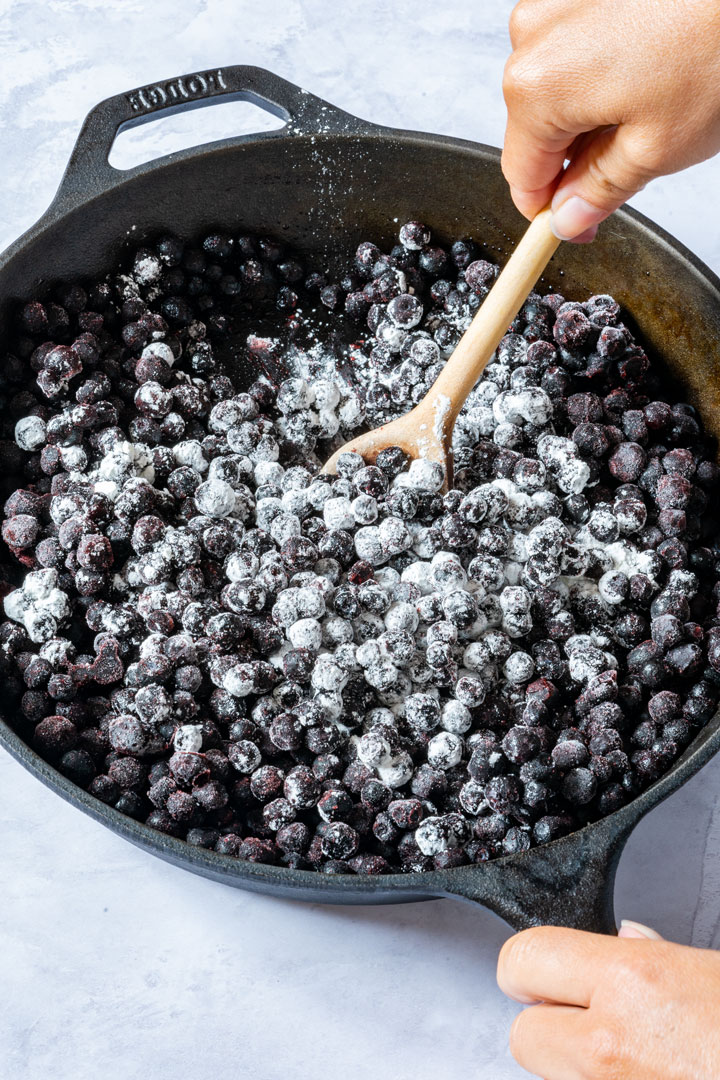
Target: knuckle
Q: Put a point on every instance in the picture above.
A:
(509, 82)
(639, 971)
(629, 165)
(602, 1053)
(524, 78)
(517, 23)
(524, 20)
(650, 152)
(611, 188)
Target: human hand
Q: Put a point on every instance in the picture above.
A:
(627, 89)
(633, 1007)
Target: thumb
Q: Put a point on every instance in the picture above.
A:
(609, 169)
(629, 929)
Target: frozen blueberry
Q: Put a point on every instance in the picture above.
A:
(579, 786)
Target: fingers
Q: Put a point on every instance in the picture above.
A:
(547, 1041)
(533, 152)
(559, 108)
(608, 170)
(531, 166)
(550, 963)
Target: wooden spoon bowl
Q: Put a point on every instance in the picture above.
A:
(426, 431)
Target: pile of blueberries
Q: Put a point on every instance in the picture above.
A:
(358, 673)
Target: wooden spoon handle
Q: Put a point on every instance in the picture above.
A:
(494, 316)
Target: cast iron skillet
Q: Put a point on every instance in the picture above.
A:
(323, 182)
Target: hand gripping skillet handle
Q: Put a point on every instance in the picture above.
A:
(569, 882)
(88, 172)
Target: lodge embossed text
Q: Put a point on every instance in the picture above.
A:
(185, 88)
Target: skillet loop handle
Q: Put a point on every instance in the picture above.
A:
(569, 882)
(89, 172)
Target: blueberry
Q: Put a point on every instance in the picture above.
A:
(579, 786)
(414, 236)
(503, 793)
(572, 330)
(570, 754)
(521, 744)
(480, 275)
(627, 462)
(684, 660)
(405, 310)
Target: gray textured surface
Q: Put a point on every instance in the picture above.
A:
(115, 964)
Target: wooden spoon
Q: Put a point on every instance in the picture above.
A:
(426, 432)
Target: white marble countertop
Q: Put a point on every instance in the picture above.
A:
(115, 965)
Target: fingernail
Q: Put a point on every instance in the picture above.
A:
(630, 929)
(586, 237)
(574, 216)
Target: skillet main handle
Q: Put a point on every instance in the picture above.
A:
(569, 882)
(88, 171)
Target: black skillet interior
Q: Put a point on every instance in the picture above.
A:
(323, 182)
